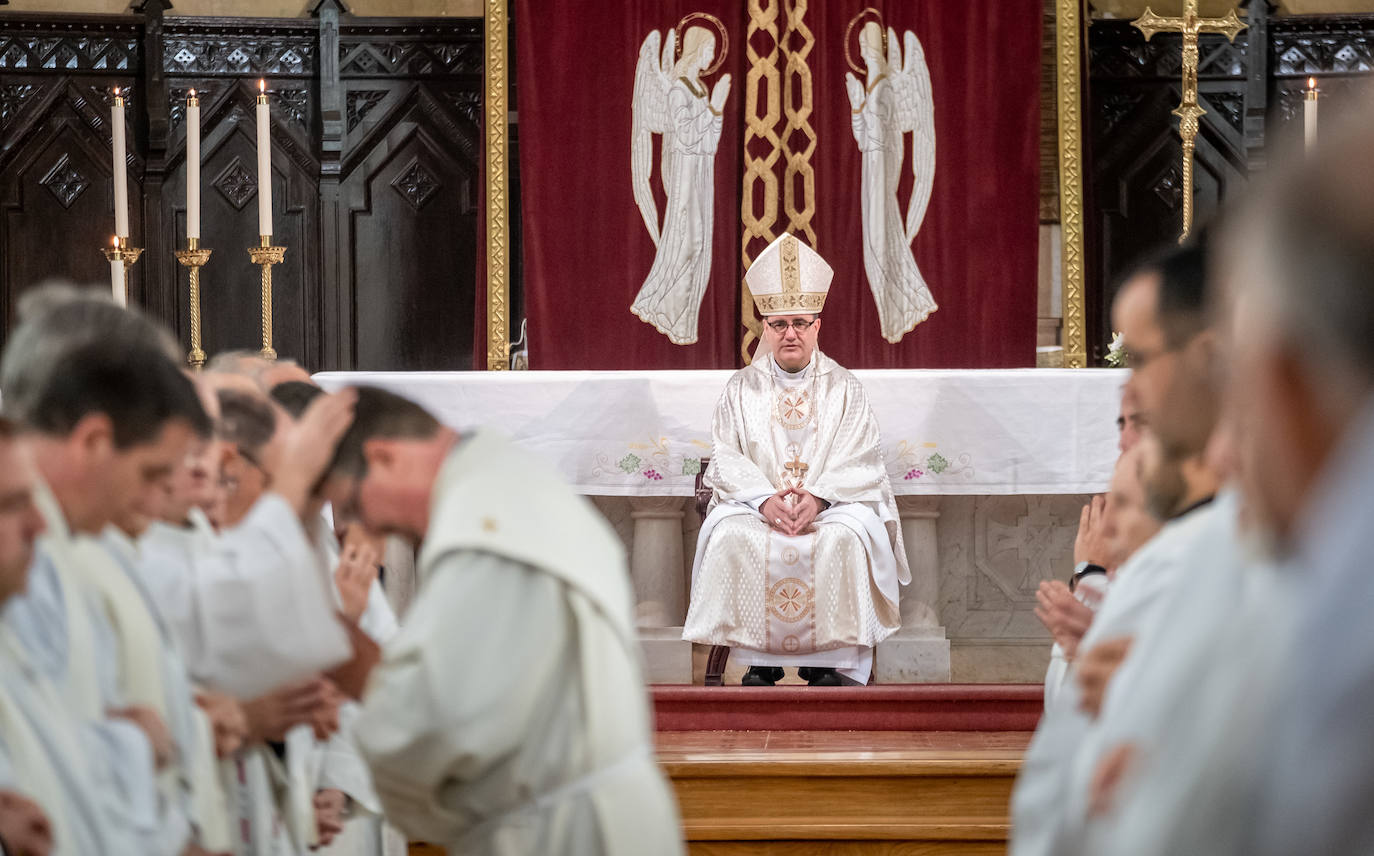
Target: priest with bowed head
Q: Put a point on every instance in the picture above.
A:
(799, 559)
(508, 715)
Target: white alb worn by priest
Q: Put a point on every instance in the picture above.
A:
(67, 640)
(824, 598)
(153, 675)
(1045, 821)
(509, 715)
(46, 754)
(250, 608)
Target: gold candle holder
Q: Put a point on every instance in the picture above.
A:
(123, 253)
(194, 258)
(265, 255)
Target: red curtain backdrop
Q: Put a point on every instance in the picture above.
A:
(586, 249)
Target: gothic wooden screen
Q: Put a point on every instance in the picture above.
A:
(375, 155)
(1254, 104)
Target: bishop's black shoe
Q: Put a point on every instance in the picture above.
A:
(822, 678)
(761, 676)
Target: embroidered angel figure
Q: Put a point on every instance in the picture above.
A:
(671, 99)
(894, 99)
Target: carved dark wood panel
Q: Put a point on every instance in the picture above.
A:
(376, 145)
(413, 188)
(1134, 193)
(1336, 50)
(230, 293)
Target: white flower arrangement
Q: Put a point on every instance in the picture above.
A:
(1116, 353)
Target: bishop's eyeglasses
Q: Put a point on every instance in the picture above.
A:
(801, 325)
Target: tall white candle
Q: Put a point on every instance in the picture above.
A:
(119, 167)
(1309, 116)
(117, 276)
(193, 167)
(264, 163)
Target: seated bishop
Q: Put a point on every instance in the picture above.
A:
(799, 559)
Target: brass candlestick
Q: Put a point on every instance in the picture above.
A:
(265, 255)
(123, 253)
(194, 258)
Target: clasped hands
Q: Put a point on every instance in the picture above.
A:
(791, 516)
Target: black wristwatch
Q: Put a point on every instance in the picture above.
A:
(1084, 569)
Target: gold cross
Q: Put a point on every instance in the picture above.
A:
(796, 468)
(1188, 112)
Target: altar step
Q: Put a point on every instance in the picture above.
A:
(843, 793)
(896, 707)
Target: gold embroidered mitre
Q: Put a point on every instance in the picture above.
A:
(788, 278)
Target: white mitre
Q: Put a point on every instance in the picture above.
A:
(789, 278)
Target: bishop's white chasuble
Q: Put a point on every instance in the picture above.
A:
(822, 598)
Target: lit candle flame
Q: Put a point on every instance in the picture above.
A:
(114, 242)
(1311, 83)
(262, 86)
(116, 91)
(193, 94)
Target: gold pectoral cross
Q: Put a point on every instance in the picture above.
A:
(1188, 112)
(796, 469)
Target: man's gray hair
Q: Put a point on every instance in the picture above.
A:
(249, 364)
(243, 362)
(1314, 232)
(58, 318)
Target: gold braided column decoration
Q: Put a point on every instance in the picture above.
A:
(1068, 34)
(762, 149)
(193, 258)
(798, 102)
(264, 256)
(498, 215)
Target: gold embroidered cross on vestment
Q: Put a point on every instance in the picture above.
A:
(793, 408)
(796, 470)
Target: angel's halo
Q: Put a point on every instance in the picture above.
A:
(724, 39)
(849, 34)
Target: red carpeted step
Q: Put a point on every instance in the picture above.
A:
(906, 707)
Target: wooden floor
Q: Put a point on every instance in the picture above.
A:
(841, 793)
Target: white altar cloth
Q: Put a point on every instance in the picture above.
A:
(945, 432)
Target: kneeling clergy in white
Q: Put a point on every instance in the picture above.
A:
(509, 715)
(799, 560)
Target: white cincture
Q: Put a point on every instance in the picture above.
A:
(581, 785)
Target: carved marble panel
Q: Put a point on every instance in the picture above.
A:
(994, 552)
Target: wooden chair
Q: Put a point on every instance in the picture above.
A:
(720, 654)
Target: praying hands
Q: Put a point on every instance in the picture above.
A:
(791, 511)
(314, 702)
(1062, 614)
(228, 720)
(358, 566)
(1096, 669)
